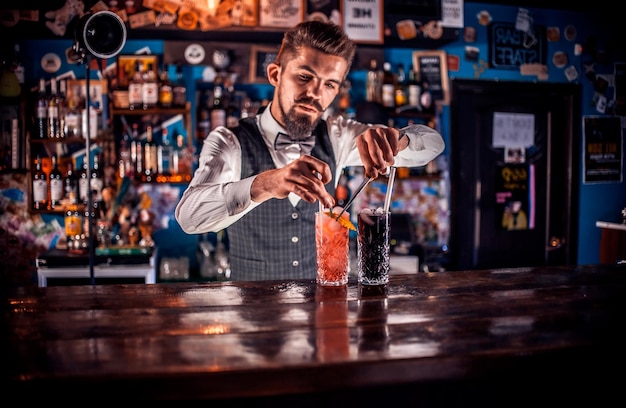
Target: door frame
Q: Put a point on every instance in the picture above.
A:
(463, 228)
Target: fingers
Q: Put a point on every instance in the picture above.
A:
(377, 148)
(305, 177)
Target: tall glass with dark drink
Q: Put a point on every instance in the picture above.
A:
(373, 247)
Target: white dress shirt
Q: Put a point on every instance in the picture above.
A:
(217, 196)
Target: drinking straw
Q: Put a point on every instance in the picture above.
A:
(392, 176)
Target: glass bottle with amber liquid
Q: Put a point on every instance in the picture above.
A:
(74, 221)
(40, 187)
(56, 184)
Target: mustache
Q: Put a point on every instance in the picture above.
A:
(310, 101)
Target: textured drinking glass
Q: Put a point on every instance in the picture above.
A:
(331, 243)
(373, 247)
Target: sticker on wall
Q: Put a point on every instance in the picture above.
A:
(454, 63)
(469, 34)
(194, 54)
(559, 59)
(514, 154)
(571, 73)
(50, 62)
(471, 53)
(553, 34)
(570, 33)
(484, 18)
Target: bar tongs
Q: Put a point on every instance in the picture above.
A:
(364, 183)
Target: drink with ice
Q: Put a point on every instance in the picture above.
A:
(331, 242)
(373, 247)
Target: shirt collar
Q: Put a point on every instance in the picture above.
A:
(269, 126)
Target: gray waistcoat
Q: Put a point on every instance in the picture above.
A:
(275, 240)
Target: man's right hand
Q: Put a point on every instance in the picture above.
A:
(300, 177)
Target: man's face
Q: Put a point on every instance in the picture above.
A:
(305, 87)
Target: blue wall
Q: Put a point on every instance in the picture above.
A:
(602, 201)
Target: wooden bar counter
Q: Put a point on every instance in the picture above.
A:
(506, 337)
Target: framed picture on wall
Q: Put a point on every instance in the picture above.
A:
(77, 90)
(285, 14)
(433, 67)
(329, 10)
(260, 57)
(363, 21)
(126, 66)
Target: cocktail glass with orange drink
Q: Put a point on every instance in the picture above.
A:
(332, 237)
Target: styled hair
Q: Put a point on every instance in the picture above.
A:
(328, 38)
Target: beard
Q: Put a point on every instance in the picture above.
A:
(299, 126)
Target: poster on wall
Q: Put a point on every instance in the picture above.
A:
(603, 141)
(515, 201)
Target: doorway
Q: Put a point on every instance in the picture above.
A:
(514, 150)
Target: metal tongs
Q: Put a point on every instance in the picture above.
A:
(364, 183)
(367, 180)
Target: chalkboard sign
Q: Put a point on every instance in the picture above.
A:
(260, 57)
(509, 47)
(433, 67)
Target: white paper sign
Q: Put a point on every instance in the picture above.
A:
(513, 129)
(452, 13)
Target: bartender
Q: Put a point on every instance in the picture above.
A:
(264, 179)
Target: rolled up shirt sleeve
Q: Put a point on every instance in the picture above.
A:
(425, 144)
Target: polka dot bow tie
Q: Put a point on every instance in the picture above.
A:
(283, 140)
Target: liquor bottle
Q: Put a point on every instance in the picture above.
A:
(70, 182)
(135, 88)
(63, 107)
(40, 186)
(150, 157)
(203, 116)
(73, 122)
(218, 110)
(401, 91)
(372, 83)
(18, 66)
(166, 93)
(388, 86)
(96, 177)
(41, 112)
(414, 90)
(83, 182)
(179, 89)
(165, 152)
(56, 184)
(74, 221)
(53, 111)
(136, 152)
(125, 165)
(183, 160)
(97, 185)
(150, 88)
(426, 97)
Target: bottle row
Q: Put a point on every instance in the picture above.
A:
(141, 86)
(55, 190)
(57, 116)
(398, 90)
(139, 158)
